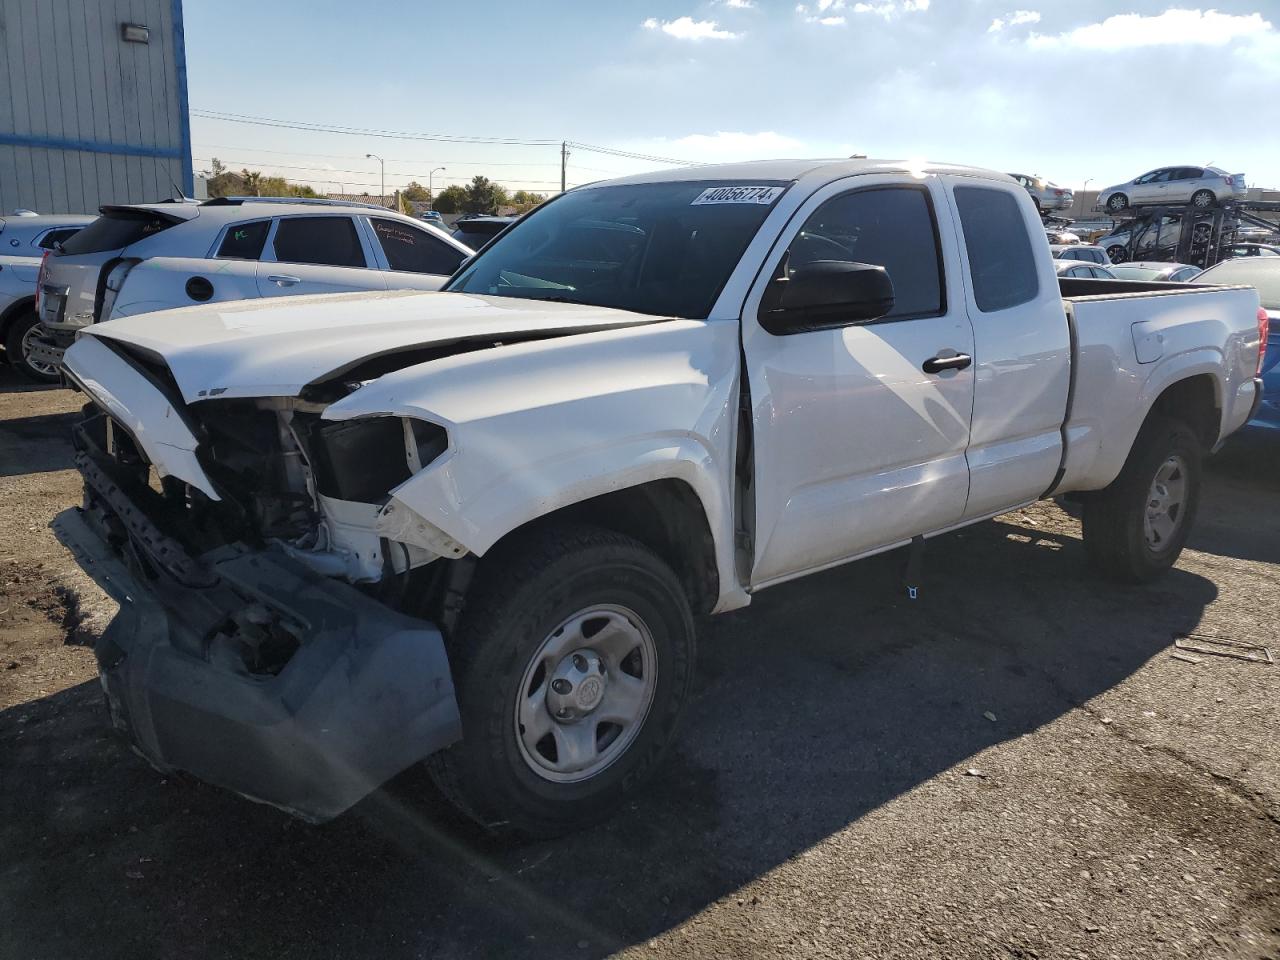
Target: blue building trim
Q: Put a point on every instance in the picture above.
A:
(184, 108)
(95, 146)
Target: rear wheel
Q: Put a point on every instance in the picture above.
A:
(1117, 253)
(571, 664)
(1135, 529)
(18, 343)
(1117, 201)
(1203, 199)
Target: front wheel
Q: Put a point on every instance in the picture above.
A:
(1203, 199)
(571, 664)
(1117, 254)
(1117, 202)
(18, 343)
(1135, 529)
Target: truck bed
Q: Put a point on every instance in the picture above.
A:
(1131, 337)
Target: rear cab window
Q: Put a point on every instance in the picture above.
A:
(244, 241)
(116, 230)
(1002, 265)
(411, 250)
(325, 241)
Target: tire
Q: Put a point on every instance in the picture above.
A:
(1117, 201)
(14, 345)
(1204, 199)
(1117, 536)
(532, 595)
(1118, 254)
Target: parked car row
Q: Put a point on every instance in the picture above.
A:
(142, 258)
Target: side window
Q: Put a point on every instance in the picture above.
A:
(891, 227)
(329, 241)
(1189, 173)
(413, 250)
(54, 237)
(244, 241)
(1001, 263)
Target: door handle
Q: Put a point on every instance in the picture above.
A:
(938, 364)
(282, 280)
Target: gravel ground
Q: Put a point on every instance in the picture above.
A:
(1011, 766)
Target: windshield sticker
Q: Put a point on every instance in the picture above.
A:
(737, 195)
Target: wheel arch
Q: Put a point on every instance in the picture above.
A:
(13, 311)
(1197, 401)
(666, 515)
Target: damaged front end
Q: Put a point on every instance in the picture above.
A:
(265, 640)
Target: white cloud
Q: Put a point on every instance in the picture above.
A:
(1015, 19)
(740, 4)
(824, 13)
(1127, 30)
(687, 28)
(891, 8)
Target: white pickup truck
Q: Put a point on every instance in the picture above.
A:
(351, 532)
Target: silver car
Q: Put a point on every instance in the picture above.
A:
(30, 235)
(1199, 186)
(1088, 252)
(1047, 196)
(1163, 272)
(1079, 270)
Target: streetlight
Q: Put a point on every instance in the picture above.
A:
(431, 180)
(383, 164)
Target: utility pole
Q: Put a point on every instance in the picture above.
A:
(431, 183)
(564, 162)
(382, 197)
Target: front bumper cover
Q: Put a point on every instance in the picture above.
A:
(367, 694)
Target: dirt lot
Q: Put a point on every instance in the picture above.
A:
(840, 789)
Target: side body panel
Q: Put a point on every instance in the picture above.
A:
(538, 426)
(1181, 334)
(161, 284)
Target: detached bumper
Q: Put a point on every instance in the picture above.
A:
(366, 694)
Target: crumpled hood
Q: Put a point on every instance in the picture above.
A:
(275, 347)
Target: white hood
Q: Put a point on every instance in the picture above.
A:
(274, 348)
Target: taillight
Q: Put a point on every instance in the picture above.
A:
(1230, 181)
(40, 280)
(1057, 193)
(1264, 329)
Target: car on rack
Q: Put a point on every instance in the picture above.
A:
(1264, 276)
(1156, 271)
(1045, 195)
(1089, 252)
(140, 258)
(351, 532)
(1197, 186)
(1082, 270)
(23, 240)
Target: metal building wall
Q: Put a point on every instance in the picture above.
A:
(87, 118)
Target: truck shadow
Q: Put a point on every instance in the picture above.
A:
(36, 444)
(820, 703)
(1238, 516)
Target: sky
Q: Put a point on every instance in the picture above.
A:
(1097, 92)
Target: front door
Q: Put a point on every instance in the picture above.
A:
(859, 440)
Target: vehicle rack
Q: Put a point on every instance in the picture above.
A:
(1159, 232)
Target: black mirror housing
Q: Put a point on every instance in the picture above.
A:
(828, 293)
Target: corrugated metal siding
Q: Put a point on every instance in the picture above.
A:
(108, 117)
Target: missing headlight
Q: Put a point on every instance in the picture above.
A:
(365, 459)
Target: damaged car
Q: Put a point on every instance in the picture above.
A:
(353, 532)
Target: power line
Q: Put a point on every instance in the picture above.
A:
(430, 137)
(402, 175)
(364, 183)
(360, 156)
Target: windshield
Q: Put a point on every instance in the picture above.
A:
(1263, 274)
(657, 248)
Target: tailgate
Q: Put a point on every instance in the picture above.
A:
(69, 288)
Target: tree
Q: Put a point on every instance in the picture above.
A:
(526, 200)
(252, 180)
(416, 191)
(483, 196)
(451, 199)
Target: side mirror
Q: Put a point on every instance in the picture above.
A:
(825, 294)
